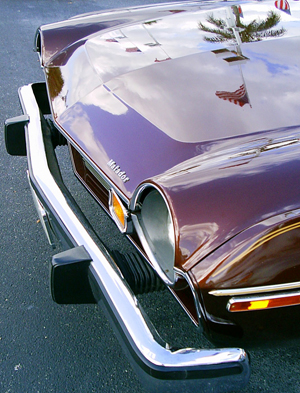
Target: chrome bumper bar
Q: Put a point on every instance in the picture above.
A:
(160, 368)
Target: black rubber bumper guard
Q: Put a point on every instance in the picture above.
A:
(160, 368)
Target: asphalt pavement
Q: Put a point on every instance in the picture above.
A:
(45, 347)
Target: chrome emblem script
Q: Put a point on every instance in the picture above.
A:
(122, 174)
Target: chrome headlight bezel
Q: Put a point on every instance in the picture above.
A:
(155, 228)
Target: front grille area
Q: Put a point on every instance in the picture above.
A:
(95, 184)
(99, 189)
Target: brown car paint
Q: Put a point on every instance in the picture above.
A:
(214, 125)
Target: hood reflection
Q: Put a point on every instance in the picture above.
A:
(233, 30)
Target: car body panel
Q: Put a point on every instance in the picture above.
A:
(215, 199)
(108, 105)
(156, 96)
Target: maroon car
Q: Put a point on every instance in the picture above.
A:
(182, 121)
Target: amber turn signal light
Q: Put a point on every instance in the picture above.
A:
(118, 211)
(262, 303)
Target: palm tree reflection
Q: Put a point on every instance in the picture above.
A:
(256, 30)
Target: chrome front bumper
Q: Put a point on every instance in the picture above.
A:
(160, 368)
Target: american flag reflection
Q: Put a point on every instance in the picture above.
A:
(238, 97)
(283, 5)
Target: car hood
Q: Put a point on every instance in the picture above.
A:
(156, 91)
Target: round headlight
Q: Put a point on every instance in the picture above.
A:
(155, 228)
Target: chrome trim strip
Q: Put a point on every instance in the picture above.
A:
(278, 144)
(253, 290)
(261, 298)
(185, 369)
(194, 293)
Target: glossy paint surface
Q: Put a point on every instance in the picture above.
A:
(263, 260)
(265, 254)
(216, 198)
(153, 87)
(213, 123)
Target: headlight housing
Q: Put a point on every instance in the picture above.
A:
(154, 225)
